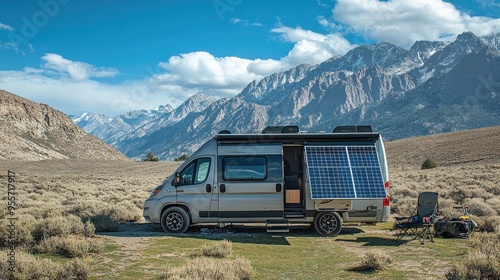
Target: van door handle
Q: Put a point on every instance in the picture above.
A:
(222, 188)
(209, 188)
(278, 188)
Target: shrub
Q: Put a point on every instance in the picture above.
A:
(103, 223)
(483, 262)
(217, 250)
(479, 207)
(375, 260)
(477, 266)
(210, 268)
(31, 267)
(151, 157)
(495, 204)
(491, 224)
(459, 194)
(182, 157)
(25, 225)
(71, 246)
(58, 226)
(428, 164)
(88, 229)
(125, 211)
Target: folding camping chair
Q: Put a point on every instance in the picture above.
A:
(422, 220)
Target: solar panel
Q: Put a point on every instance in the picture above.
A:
(344, 172)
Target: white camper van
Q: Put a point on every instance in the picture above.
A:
(279, 177)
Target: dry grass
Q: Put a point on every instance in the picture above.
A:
(477, 186)
(62, 203)
(480, 146)
(212, 265)
(34, 268)
(375, 260)
(209, 268)
(483, 262)
(220, 249)
(70, 246)
(468, 173)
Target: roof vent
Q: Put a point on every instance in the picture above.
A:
(225, 131)
(352, 129)
(281, 129)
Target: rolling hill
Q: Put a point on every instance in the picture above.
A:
(33, 131)
(455, 148)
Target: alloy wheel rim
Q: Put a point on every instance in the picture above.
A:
(174, 221)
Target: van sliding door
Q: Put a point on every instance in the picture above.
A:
(250, 182)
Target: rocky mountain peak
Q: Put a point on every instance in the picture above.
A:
(432, 87)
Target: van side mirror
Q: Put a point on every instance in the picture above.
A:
(177, 180)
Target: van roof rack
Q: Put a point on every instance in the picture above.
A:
(225, 131)
(352, 128)
(281, 129)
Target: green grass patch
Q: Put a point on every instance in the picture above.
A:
(294, 255)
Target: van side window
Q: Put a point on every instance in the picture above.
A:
(202, 168)
(195, 172)
(247, 168)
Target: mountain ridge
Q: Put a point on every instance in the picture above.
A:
(34, 131)
(433, 87)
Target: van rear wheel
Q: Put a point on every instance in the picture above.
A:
(328, 223)
(175, 220)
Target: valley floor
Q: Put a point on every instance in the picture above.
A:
(61, 189)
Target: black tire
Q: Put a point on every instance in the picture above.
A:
(328, 223)
(175, 220)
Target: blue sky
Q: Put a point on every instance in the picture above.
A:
(118, 55)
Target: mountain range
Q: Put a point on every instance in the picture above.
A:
(431, 88)
(34, 131)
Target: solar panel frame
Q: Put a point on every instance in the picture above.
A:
(351, 172)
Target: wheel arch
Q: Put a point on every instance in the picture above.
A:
(183, 206)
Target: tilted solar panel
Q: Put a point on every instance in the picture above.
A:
(344, 172)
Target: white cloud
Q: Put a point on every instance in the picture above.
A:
(6, 27)
(74, 97)
(311, 47)
(200, 71)
(264, 67)
(75, 69)
(8, 45)
(488, 3)
(67, 85)
(244, 22)
(218, 76)
(402, 22)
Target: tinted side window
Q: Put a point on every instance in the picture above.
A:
(244, 168)
(195, 172)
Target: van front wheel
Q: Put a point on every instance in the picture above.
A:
(328, 223)
(175, 220)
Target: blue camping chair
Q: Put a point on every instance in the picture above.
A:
(420, 223)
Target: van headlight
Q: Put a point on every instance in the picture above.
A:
(156, 190)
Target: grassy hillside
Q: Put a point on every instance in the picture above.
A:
(60, 204)
(34, 131)
(481, 146)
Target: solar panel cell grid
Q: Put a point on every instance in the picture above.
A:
(344, 172)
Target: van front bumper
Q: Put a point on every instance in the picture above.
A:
(149, 210)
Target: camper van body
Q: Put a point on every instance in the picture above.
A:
(263, 178)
